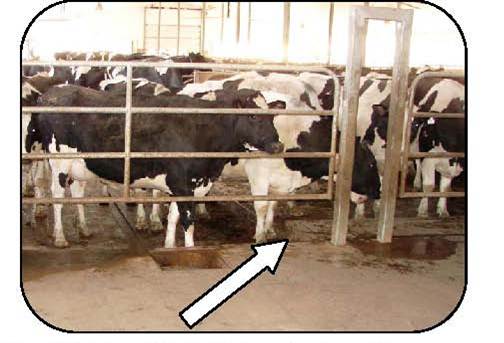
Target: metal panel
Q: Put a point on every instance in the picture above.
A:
(128, 110)
(407, 155)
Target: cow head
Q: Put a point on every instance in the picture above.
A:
(365, 178)
(378, 126)
(255, 132)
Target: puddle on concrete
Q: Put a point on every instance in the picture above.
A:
(188, 258)
(411, 247)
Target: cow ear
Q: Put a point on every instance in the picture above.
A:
(380, 110)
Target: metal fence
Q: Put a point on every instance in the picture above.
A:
(128, 110)
(407, 155)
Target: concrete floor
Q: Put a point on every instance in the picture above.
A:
(109, 283)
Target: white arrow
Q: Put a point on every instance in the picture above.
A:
(266, 256)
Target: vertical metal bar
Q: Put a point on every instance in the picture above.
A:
(329, 43)
(406, 137)
(238, 20)
(159, 29)
(127, 131)
(178, 28)
(202, 28)
(334, 135)
(145, 27)
(394, 131)
(222, 24)
(286, 27)
(249, 22)
(355, 57)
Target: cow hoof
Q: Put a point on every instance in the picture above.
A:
(141, 225)
(271, 234)
(296, 212)
(84, 231)
(156, 226)
(60, 243)
(423, 214)
(260, 238)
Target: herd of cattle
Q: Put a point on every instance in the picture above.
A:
(165, 87)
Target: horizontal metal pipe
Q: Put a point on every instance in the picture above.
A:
(435, 155)
(99, 155)
(313, 68)
(173, 110)
(432, 195)
(208, 198)
(437, 115)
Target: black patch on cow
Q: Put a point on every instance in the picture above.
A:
(326, 97)
(278, 104)
(365, 86)
(381, 85)
(304, 97)
(64, 180)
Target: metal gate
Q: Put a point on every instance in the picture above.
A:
(407, 155)
(129, 111)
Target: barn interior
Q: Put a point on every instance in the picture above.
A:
(388, 269)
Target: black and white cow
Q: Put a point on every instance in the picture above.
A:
(298, 133)
(59, 133)
(436, 95)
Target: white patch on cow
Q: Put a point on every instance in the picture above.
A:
(118, 79)
(141, 82)
(202, 190)
(116, 71)
(250, 147)
(27, 89)
(162, 70)
(210, 96)
(357, 198)
(260, 102)
(159, 89)
(158, 182)
(431, 121)
(80, 71)
(370, 97)
(447, 90)
(51, 72)
(193, 88)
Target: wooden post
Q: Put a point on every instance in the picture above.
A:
(355, 58)
(286, 27)
(329, 43)
(395, 129)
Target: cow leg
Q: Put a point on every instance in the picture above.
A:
(261, 208)
(268, 225)
(104, 193)
(39, 185)
(360, 209)
(201, 211)
(77, 190)
(155, 220)
(444, 186)
(173, 217)
(428, 180)
(57, 192)
(417, 183)
(141, 223)
(186, 210)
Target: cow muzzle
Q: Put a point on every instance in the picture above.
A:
(274, 148)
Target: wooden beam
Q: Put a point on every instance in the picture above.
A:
(202, 28)
(238, 20)
(249, 22)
